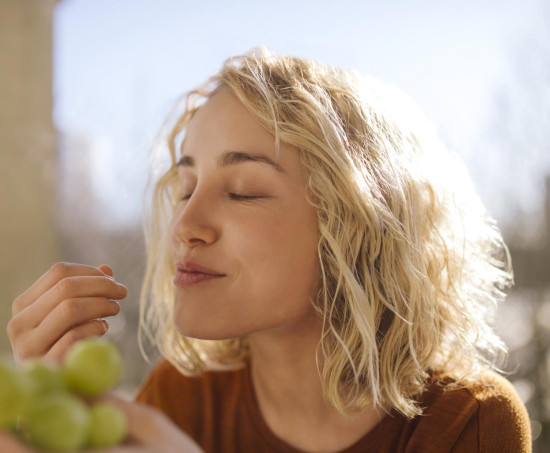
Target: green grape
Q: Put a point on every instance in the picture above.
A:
(45, 376)
(108, 426)
(14, 395)
(92, 366)
(57, 422)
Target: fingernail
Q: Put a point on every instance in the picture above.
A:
(105, 325)
(116, 306)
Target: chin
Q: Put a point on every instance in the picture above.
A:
(204, 328)
(203, 320)
(214, 329)
(201, 334)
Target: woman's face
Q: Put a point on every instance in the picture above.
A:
(265, 246)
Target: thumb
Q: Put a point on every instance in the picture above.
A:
(106, 269)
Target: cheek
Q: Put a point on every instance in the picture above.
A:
(279, 256)
(273, 267)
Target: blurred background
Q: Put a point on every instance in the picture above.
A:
(85, 85)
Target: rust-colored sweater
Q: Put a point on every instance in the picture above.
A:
(220, 412)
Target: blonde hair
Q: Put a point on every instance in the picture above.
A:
(411, 264)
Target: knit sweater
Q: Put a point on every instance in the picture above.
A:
(220, 412)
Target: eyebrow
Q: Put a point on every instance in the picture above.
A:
(234, 158)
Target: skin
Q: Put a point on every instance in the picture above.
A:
(267, 250)
(62, 307)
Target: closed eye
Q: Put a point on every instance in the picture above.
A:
(232, 196)
(238, 197)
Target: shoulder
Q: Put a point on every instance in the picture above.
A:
(484, 415)
(502, 419)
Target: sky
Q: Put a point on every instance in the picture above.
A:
(120, 64)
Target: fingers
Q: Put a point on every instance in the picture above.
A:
(69, 318)
(61, 307)
(56, 273)
(69, 314)
(67, 292)
(105, 268)
(93, 328)
(73, 312)
(33, 344)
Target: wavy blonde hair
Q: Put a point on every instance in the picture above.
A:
(411, 264)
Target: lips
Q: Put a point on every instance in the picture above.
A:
(193, 266)
(190, 273)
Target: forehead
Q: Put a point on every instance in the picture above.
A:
(224, 124)
(223, 119)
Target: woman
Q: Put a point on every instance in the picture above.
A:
(320, 277)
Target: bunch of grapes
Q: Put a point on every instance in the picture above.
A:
(52, 406)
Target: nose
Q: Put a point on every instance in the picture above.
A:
(192, 224)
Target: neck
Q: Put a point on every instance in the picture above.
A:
(284, 369)
(288, 389)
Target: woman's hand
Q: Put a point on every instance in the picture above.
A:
(149, 431)
(62, 307)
